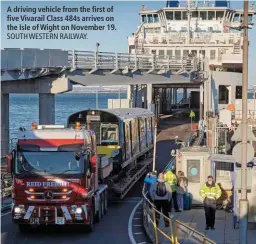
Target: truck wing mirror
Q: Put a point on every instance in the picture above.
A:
(9, 163)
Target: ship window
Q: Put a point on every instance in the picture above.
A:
(238, 92)
(211, 15)
(223, 94)
(169, 15)
(177, 53)
(184, 15)
(236, 18)
(144, 18)
(195, 14)
(169, 53)
(194, 53)
(156, 18)
(161, 52)
(212, 55)
(203, 15)
(150, 18)
(177, 15)
(219, 14)
(193, 171)
(185, 53)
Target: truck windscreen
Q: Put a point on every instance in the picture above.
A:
(48, 163)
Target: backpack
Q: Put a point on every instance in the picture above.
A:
(161, 189)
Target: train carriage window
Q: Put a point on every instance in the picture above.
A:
(134, 135)
(142, 129)
(148, 130)
(193, 171)
(127, 140)
(109, 134)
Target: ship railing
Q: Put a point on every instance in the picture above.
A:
(116, 61)
(176, 230)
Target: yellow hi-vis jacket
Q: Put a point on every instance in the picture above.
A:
(171, 178)
(212, 192)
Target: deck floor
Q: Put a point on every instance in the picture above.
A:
(223, 233)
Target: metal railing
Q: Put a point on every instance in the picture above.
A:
(116, 61)
(175, 226)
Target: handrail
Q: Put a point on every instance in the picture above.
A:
(173, 238)
(173, 159)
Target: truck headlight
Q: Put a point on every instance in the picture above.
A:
(78, 210)
(17, 210)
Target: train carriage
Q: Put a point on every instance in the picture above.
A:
(122, 134)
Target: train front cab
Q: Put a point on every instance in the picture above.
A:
(120, 135)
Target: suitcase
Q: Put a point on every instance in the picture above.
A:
(187, 201)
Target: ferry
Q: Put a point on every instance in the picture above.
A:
(212, 31)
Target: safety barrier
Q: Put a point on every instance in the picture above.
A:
(79, 59)
(178, 230)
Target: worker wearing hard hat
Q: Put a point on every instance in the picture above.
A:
(172, 180)
(210, 192)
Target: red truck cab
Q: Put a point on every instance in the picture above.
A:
(55, 178)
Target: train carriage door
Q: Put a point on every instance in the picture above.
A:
(149, 133)
(139, 124)
(193, 168)
(152, 125)
(127, 140)
(142, 134)
(146, 131)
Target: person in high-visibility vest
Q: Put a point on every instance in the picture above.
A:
(172, 180)
(210, 192)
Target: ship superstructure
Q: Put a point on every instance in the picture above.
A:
(208, 30)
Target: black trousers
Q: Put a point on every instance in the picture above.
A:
(210, 210)
(162, 206)
(174, 199)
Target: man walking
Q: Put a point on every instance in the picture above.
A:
(172, 180)
(160, 193)
(210, 192)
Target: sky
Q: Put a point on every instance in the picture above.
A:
(126, 21)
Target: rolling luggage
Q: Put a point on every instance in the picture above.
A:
(187, 201)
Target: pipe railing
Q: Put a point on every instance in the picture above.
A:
(114, 61)
(153, 231)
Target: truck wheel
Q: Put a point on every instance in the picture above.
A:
(23, 228)
(89, 228)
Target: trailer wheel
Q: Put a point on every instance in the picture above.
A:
(105, 201)
(102, 205)
(98, 216)
(23, 228)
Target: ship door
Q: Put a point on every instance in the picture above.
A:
(193, 169)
